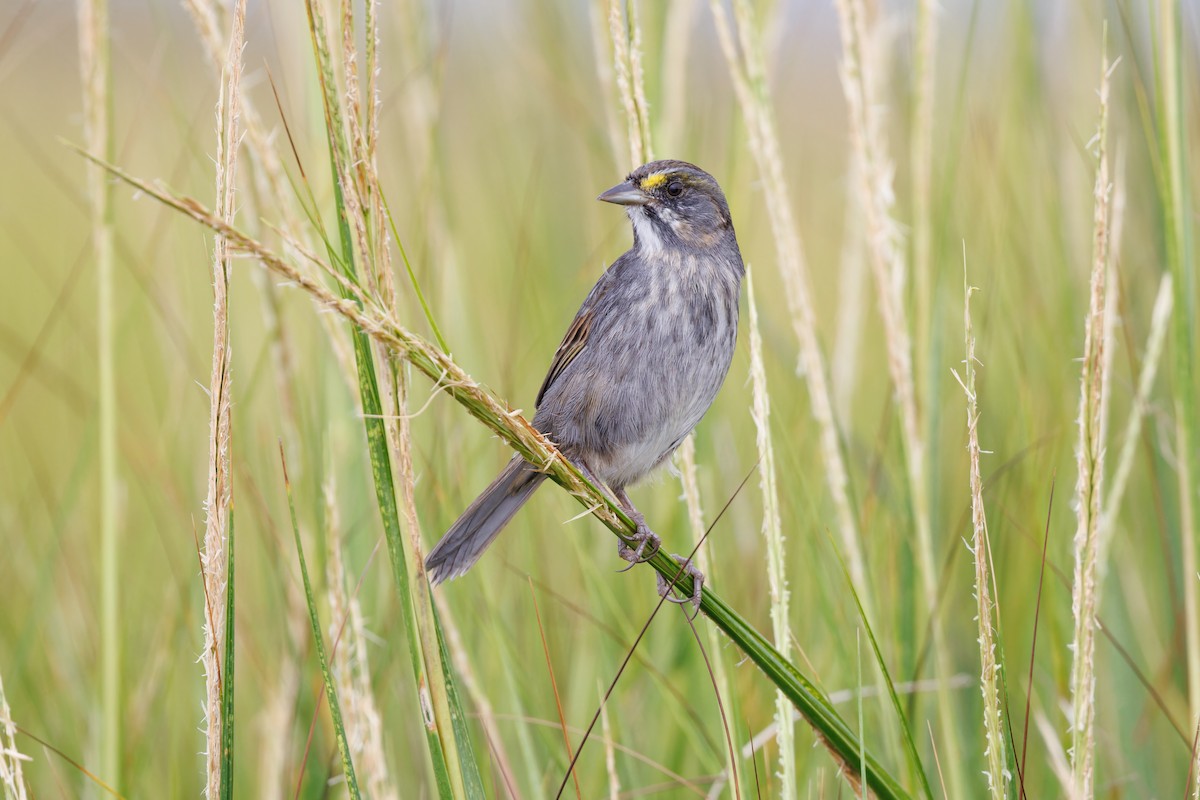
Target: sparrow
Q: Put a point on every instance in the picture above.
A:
(639, 366)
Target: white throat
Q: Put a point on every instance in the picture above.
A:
(647, 233)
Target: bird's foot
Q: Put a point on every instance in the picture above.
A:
(665, 586)
(643, 539)
(645, 543)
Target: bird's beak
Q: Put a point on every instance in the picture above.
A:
(625, 194)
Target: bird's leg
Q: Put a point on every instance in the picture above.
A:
(644, 536)
(644, 533)
(665, 586)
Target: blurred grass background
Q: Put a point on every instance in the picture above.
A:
(495, 143)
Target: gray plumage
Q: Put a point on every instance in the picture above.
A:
(643, 359)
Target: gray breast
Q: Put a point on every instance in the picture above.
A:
(657, 355)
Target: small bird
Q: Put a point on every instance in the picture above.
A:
(640, 364)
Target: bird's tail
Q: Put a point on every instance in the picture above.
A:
(483, 520)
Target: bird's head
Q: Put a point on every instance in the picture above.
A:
(673, 204)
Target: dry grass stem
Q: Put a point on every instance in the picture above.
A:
(772, 529)
(1093, 403)
(625, 35)
(11, 776)
(681, 22)
(1159, 320)
(685, 459)
(749, 81)
(605, 59)
(981, 549)
(353, 153)
(924, 85)
(217, 504)
(1055, 755)
(373, 761)
(420, 59)
(360, 185)
(638, 79)
(95, 74)
(852, 299)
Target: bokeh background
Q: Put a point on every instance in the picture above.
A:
(498, 134)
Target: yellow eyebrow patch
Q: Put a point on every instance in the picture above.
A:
(651, 181)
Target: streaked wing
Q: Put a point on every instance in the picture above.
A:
(572, 345)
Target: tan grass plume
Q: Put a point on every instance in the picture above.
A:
(11, 776)
(218, 502)
(1089, 456)
(772, 529)
(981, 550)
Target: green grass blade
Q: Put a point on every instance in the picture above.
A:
(1178, 223)
(227, 674)
(472, 781)
(910, 745)
(335, 708)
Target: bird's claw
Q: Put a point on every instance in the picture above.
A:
(642, 539)
(665, 586)
(633, 550)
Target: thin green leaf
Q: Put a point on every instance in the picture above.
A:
(227, 672)
(910, 745)
(335, 708)
(412, 277)
(472, 780)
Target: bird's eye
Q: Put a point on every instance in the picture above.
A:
(675, 188)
